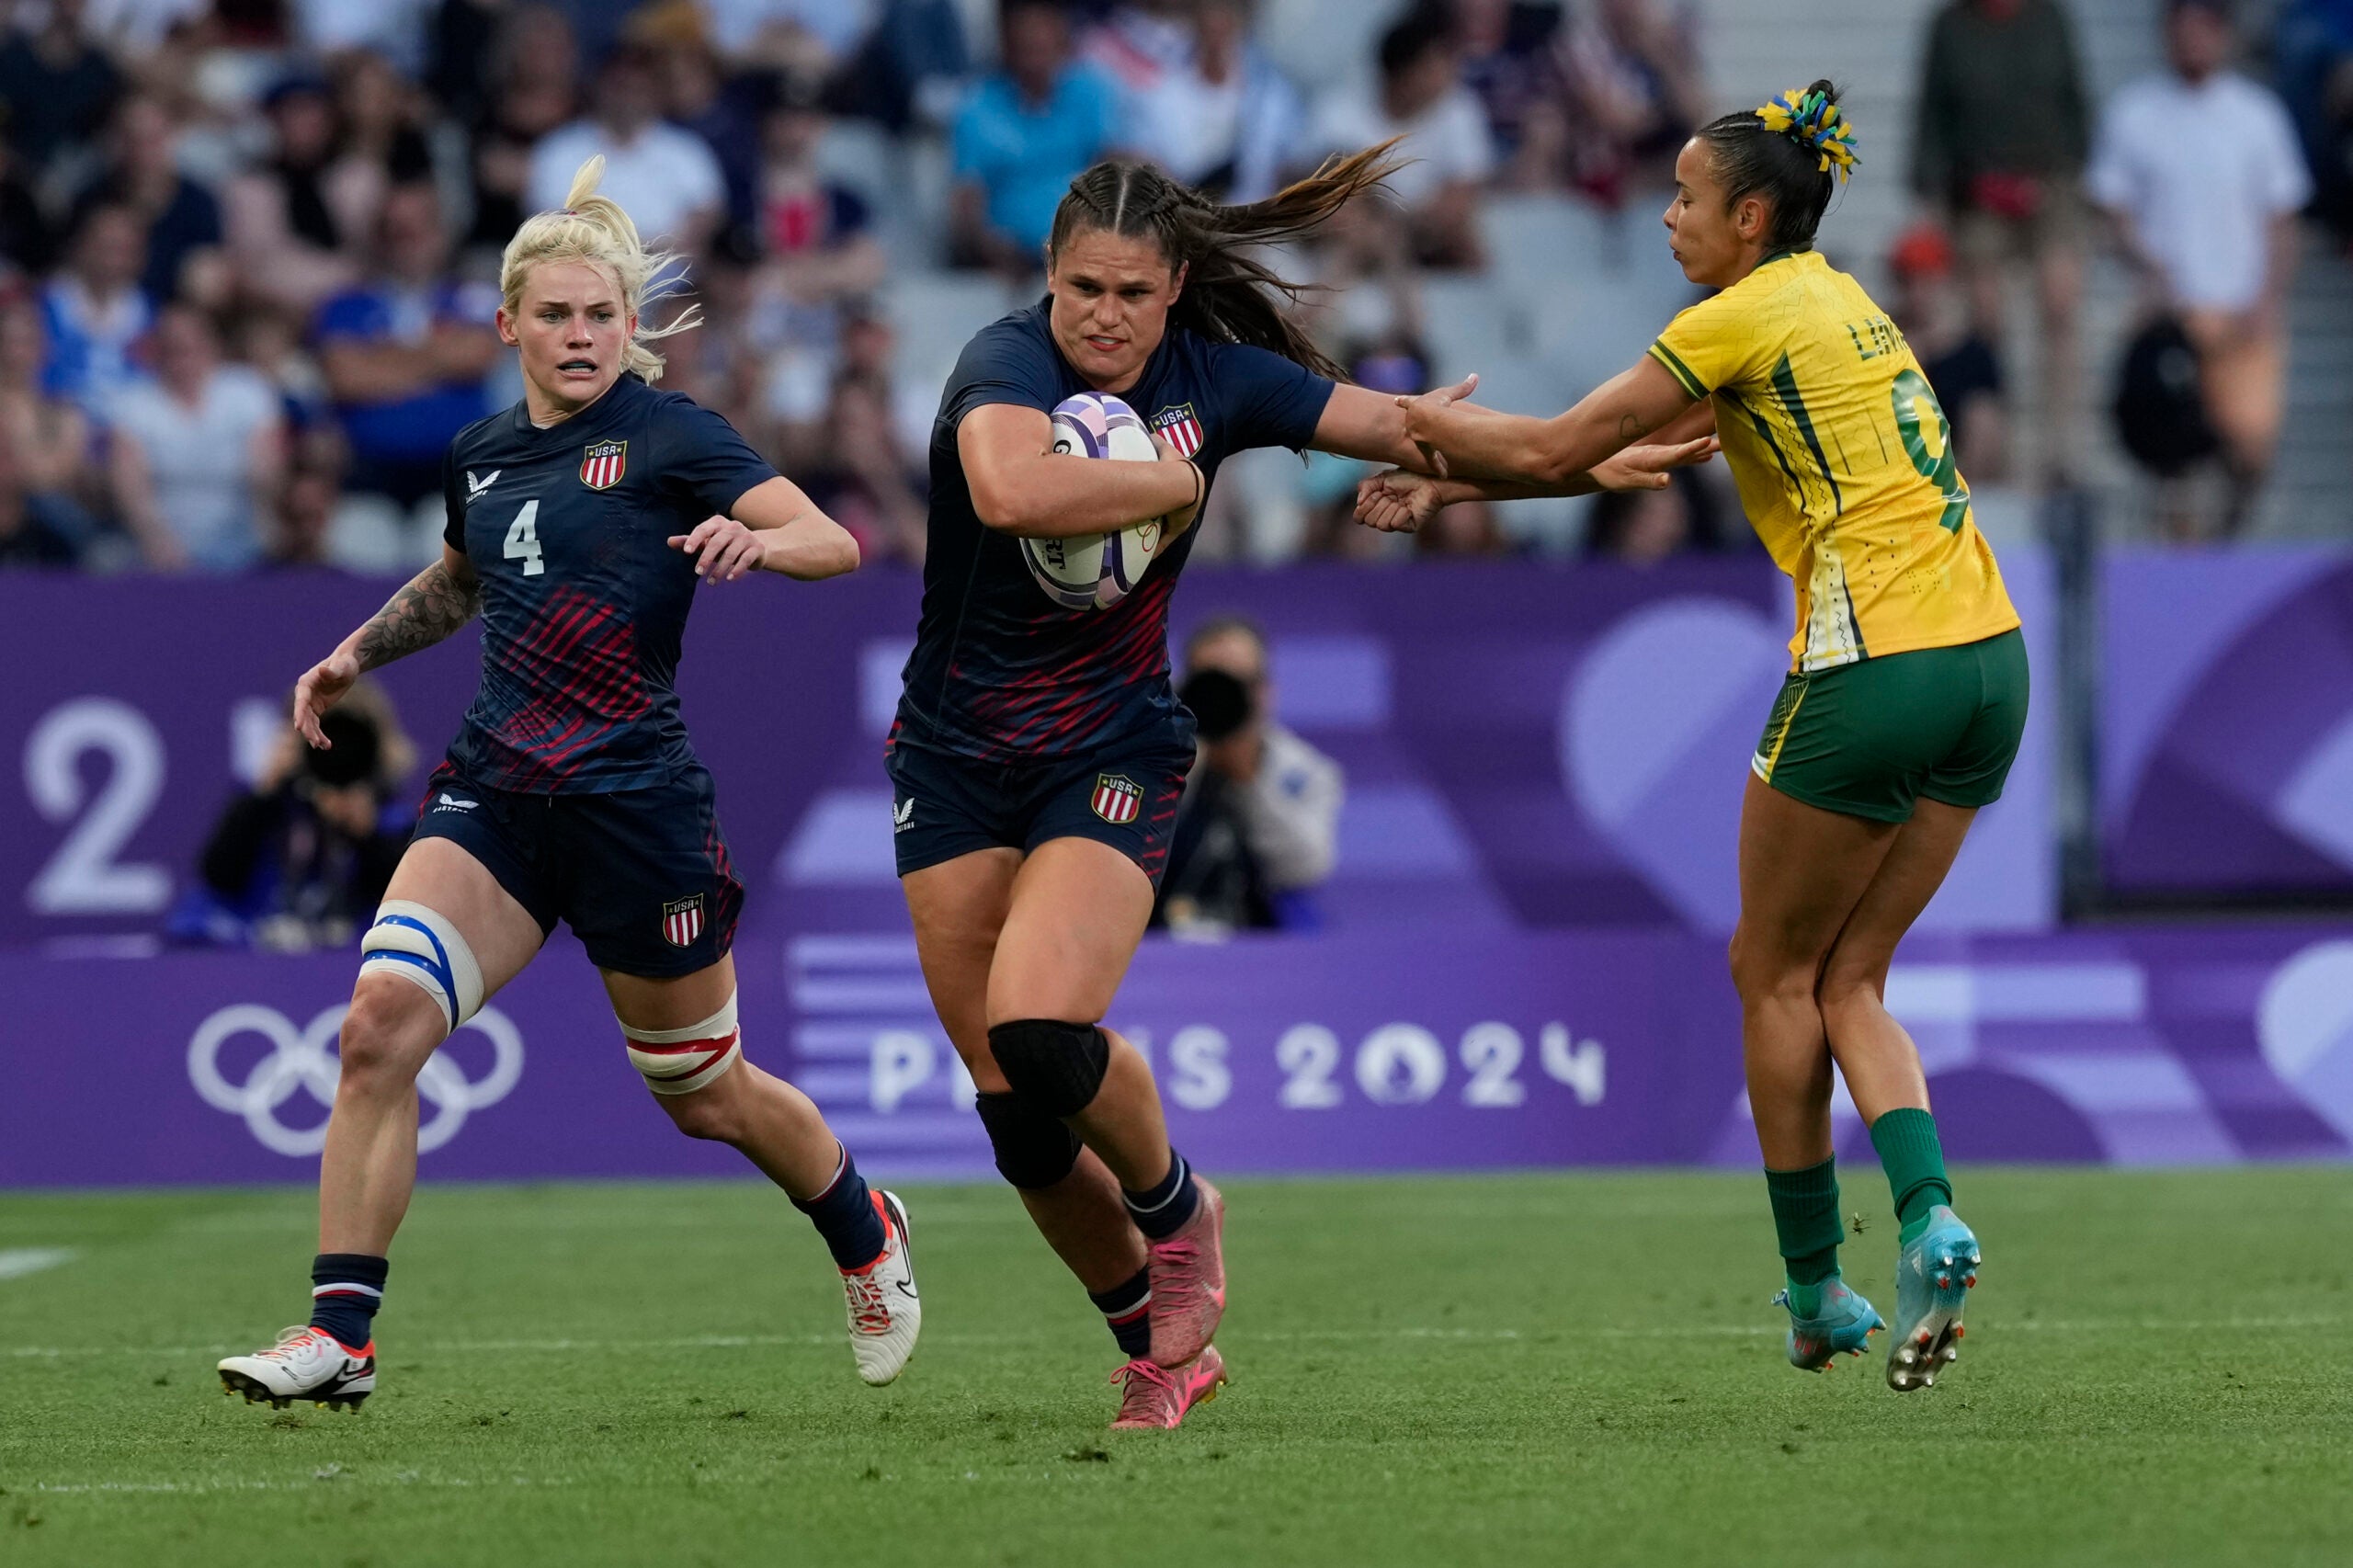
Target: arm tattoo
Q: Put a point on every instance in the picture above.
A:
(1629, 427)
(428, 610)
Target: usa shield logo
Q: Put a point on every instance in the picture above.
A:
(1182, 427)
(682, 921)
(602, 465)
(1117, 799)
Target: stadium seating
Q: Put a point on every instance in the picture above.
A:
(1469, 324)
(1872, 49)
(1574, 291)
(1320, 42)
(933, 314)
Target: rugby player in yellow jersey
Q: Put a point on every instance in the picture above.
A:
(1904, 701)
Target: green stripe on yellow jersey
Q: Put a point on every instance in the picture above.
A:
(1844, 462)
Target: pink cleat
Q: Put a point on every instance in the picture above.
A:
(1157, 1398)
(1189, 1283)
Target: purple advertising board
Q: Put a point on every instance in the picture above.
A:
(2227, 723)
(1275, 1053)
(1529, 747)
(1521, 961)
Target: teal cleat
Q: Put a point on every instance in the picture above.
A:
(1846, 1322)
(1934, 1274)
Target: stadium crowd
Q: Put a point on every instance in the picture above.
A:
(247, 247)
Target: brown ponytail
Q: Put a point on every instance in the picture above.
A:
(1230, 295)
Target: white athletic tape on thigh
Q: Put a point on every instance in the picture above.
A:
(424, 948)
(679, 1061)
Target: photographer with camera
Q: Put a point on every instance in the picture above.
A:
(1259, 828)
(301, 859)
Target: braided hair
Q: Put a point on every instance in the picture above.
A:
(1230, 295)
(1794, 153)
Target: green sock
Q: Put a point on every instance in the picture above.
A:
(1805, 1216)
(1915, 1161)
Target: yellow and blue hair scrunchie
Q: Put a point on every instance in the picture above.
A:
(1811, 120)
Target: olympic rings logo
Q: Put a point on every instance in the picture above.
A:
(299, 1060)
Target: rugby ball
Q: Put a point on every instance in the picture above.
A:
(1096, 571)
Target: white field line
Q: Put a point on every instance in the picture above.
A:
(339, 1478)
(272, 1223)
(18, 1262)
(1325, 1336)
(2032, 1326)
(334, 1476)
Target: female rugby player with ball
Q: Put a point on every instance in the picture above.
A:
(1040, 752)
(1904, 702)
(580, 522)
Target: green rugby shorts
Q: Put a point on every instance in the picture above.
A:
(1868, 739)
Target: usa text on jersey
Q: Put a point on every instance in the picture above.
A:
(602, 465)
(1182, 427)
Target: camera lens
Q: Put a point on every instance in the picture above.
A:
(1221, 704)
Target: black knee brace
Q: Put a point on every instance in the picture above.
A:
(1032, 1149)
(1056, 1067)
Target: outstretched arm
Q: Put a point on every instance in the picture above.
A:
(774, 527)
(1400, 501)
(433, 604)
(1370, 425)
(1469, 442)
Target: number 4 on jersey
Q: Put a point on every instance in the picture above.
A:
(523, 538)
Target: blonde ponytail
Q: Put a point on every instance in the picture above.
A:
(594, 229)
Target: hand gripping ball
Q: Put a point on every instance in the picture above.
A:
(1096, 571)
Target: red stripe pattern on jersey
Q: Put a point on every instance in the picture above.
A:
(1064, 707)
(729, 903)
(577, 659)
(1161, 832)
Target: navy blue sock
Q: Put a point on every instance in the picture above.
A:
(345, 1290)
(847, 1216)
(1128, 1310)
(1161, 1210)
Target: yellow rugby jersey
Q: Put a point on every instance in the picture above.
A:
(1844, 462)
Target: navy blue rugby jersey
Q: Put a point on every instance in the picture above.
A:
(583, 602)
(1000, 672)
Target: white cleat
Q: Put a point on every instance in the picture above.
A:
(305, 1363)
(885, 1312)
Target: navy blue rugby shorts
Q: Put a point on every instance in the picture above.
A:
(944, 806)
(641, 876)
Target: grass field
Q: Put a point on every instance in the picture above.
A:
(1539, 1369)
